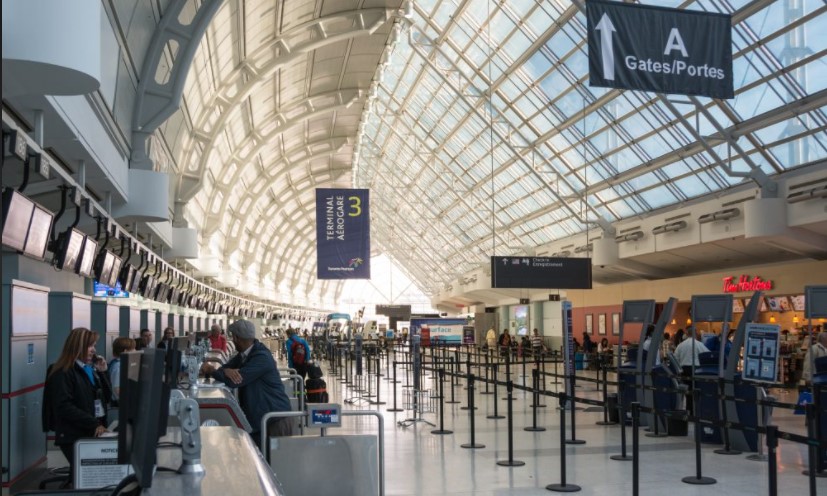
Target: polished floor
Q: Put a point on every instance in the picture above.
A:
(419, 462)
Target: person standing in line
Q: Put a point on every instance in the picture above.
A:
(298, 352)
(537, 343)
(504, 343)
(76, 394)
(254, 373)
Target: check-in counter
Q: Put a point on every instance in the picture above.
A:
(216, 402)
(232, 465)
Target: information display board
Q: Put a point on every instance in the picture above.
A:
(541, 273)
(761, 352)
(324, 415)
(96, 463)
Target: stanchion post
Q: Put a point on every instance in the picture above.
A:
(563, 487)
(635, 448)
(378, 395)
(605, 420)
(394, 409)
(473, 444)
(535, 392)
(487, 372)
(573, 408)
(441, 429)
(772, 444)
(511, 462)
(496, 414)
(698, 478)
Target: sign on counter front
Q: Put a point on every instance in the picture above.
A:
(659, 49)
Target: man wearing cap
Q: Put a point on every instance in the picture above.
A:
(253, 371)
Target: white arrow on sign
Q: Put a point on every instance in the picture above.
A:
(607, 51)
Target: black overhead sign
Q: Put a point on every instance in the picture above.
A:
(659, 49)
(400, 311)
(541, 272)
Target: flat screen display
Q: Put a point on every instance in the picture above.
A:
(103, 266)
(40, 229)
(541, 273)
(116, 270)
(737, 305)
(798, 303)
(106, 291)
(90, 246)
(126, 275)
(136, 281)
(69, 250)
(17, 213)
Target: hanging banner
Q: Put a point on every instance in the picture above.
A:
(342, 234)
(659, 49)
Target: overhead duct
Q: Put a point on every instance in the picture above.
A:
(605, 252)
(632, 236)
(670, 227)
(729, 213)
(765, 217)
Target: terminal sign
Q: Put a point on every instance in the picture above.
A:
(659, 49)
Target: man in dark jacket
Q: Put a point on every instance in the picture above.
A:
(253, 371)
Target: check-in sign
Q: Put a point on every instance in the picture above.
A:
(659, 49)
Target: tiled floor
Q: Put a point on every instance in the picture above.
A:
(418, 462)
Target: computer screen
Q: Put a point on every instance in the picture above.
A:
(105, 291)
(40, 229)
(90, 246)
(181, 343)
(143, 408)
(17, 213)
(68, 249)
(172, 367)
(116, 270)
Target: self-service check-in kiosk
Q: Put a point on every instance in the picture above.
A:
(24, 349)
(629, 368)
(656, 375)
(717, 374)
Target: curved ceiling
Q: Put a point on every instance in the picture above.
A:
(472, 124)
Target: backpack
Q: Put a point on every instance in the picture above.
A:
(316, 390)
(297, 353)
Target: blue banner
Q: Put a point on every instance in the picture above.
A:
(342, 234)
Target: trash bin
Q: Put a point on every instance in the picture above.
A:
(611, 404)
(677, 426)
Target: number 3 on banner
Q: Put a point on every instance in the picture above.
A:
(356, 206)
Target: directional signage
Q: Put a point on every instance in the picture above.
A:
(342, 234)
(541, 272)
(659, 49)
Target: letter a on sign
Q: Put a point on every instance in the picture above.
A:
(675, 42)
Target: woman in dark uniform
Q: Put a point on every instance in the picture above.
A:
(76, 393)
